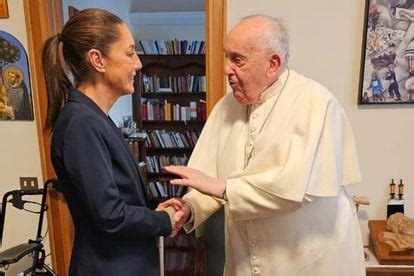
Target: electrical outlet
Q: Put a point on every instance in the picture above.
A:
(28, 183)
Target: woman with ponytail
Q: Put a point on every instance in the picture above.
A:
(87, 67)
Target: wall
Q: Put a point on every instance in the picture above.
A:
(19, 150)
(168, 25)
(326, 39)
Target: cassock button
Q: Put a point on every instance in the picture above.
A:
(254, 257)
(254, 116)
(256, 270)
(252, 129)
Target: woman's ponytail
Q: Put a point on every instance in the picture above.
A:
(57, 82)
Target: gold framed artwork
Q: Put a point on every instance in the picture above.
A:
(15, 91)
(4, 10)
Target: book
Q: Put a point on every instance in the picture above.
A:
(193, 110)
(167, 110)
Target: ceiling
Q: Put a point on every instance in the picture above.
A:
(166, 5)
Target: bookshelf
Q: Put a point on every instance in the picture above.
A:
(185, 255)
(169, 106)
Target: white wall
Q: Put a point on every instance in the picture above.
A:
(180, 32)
(326, 39)
(19, 150)
(120, 8)
(169, 25)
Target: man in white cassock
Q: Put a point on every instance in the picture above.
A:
(277, 154)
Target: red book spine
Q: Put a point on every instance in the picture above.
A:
(144, 112)
(203, 111)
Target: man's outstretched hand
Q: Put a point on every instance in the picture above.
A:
(198, 180)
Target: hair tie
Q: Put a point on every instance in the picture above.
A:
(59, 36)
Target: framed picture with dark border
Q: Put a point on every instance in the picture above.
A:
(4, 9)
(16, 99)
(387, 62)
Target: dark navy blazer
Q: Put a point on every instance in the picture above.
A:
(115, 231)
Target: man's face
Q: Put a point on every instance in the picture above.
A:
(246, 64)
(13, 78)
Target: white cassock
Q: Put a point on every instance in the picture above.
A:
(286, 161)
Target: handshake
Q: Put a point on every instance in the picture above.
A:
(177, 208)
(179, 213)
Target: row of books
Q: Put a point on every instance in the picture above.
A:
(173, 84)
(172, 47)
(134, 146)
(161, 138)
(181, 261)
(153, 110)
(155, 163)
(163, 189)
(181, 241)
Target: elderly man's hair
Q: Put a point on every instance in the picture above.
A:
(274, 38)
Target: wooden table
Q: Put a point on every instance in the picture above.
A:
(381, 263)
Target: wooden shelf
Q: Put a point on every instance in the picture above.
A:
(169, 150)
(390, 271)
(166, 66)
(172, 60)
(163, 95)
(179, 273)
(173, 125)
(161, 174)
(189, 249)
(193, 122)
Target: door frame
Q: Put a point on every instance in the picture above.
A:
(43, 19)
(47, 17)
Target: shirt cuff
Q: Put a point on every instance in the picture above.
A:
(189, 224)
(170, 211)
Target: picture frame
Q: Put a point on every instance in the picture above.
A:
(16, 99)
(387, 55)
(4, 9)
